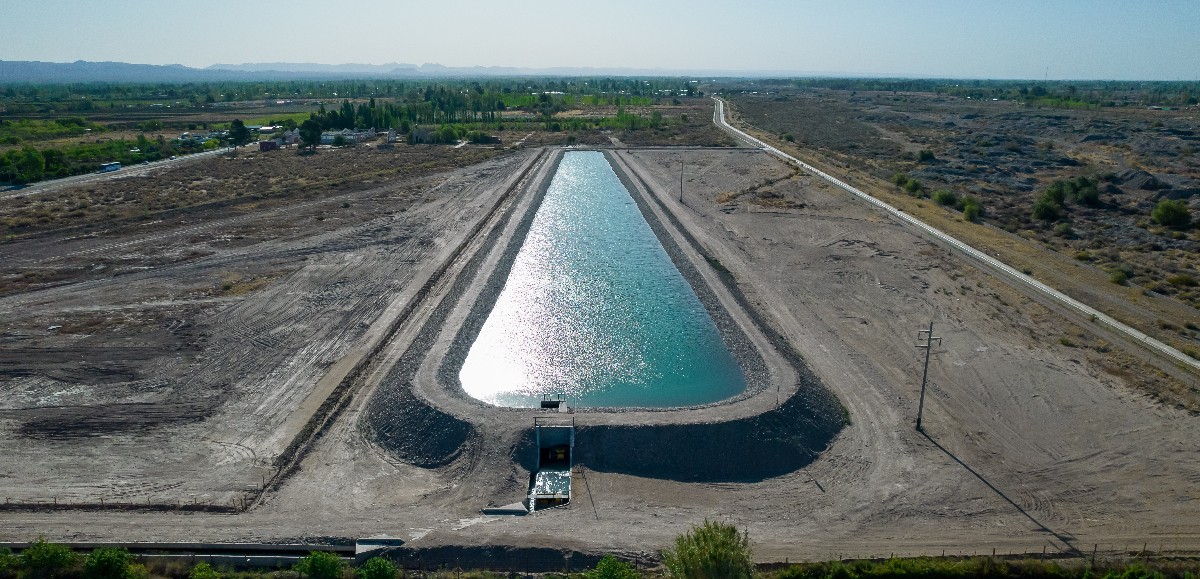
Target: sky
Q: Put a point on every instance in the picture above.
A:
(1026, 39)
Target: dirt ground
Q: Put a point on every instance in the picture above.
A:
(1038, 433)
(1007, 155)
(168, 360)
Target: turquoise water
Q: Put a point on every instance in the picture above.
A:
(593, 309)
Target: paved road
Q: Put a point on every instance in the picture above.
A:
(127, 171)
(981, 257)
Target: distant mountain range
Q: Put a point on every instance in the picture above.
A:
(21, 72)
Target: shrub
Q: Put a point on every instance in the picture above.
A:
(789, 138)
(1181, 280)
(1173, 214)
(900, 179)
(925, 156)
(946, 197)
(971, 213)
(971, 207)
(612, 568)
(1046, 209)
(107, 563)
(377, 568)
(43, 560)
(1118, 277)
(914, 187)
(8, 563)
(708, 551)
(1064, 230)
(203, 571)
(320, 565)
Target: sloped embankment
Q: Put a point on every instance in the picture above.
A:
(400, 421)
(747, 450)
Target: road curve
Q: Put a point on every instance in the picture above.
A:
(981, 257)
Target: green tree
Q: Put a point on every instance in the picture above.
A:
(377, 568)
(320, 565)
(43, 560)
(447, 134)
(710, 551)
(108, 563)
(238, 133)
(56, 164)
(610, 567)
(1173, 214)
(30, 165)
(310, 133)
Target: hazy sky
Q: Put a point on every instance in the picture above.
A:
(1092, 39)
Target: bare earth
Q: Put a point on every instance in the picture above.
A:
(1032, 439)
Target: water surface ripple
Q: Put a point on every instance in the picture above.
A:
(595, 310)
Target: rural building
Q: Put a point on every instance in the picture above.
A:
(350, 136)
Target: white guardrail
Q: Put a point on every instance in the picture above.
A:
(1064, 299)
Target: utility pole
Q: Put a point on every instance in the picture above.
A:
(681, 181)
(928, 345)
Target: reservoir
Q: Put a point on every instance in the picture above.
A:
(594, 309)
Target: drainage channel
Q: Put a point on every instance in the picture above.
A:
(550, 484)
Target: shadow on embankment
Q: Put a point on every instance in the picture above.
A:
(751, 449)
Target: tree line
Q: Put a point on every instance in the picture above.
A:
(33, 99)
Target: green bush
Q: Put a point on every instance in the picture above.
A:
(1118, 277)
(971, 208)
(710, 551)
(108, 563)
(9, 563)
(320, 565)
(946, 197)
(1173, 214)
(1046, 209)
(612, 568)
(377, 568)
(914, 187)
(43, 560)
(925, 156)
(900, 179)
(204, 571)
(1182, 280)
